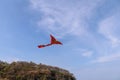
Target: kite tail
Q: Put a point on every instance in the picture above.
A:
(48, 44)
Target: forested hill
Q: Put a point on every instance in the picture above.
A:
(21, 70)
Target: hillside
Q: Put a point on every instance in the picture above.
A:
(30, 71)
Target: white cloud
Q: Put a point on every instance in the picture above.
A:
(10, 59)
(109, 27)
(108, 58)
(84, 52)
(64, 16)
(87, 53)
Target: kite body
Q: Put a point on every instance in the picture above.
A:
(53, 41)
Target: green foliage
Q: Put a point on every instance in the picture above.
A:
(30, 71)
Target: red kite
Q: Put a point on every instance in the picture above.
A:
(53, 41)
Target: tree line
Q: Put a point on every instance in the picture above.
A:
(22, 70)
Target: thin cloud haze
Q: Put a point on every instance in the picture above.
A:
(108, 58)
(62, 18)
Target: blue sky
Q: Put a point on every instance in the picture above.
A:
(88, 29)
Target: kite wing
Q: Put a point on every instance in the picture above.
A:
(54, 41)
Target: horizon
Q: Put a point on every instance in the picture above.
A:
(88, 29)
